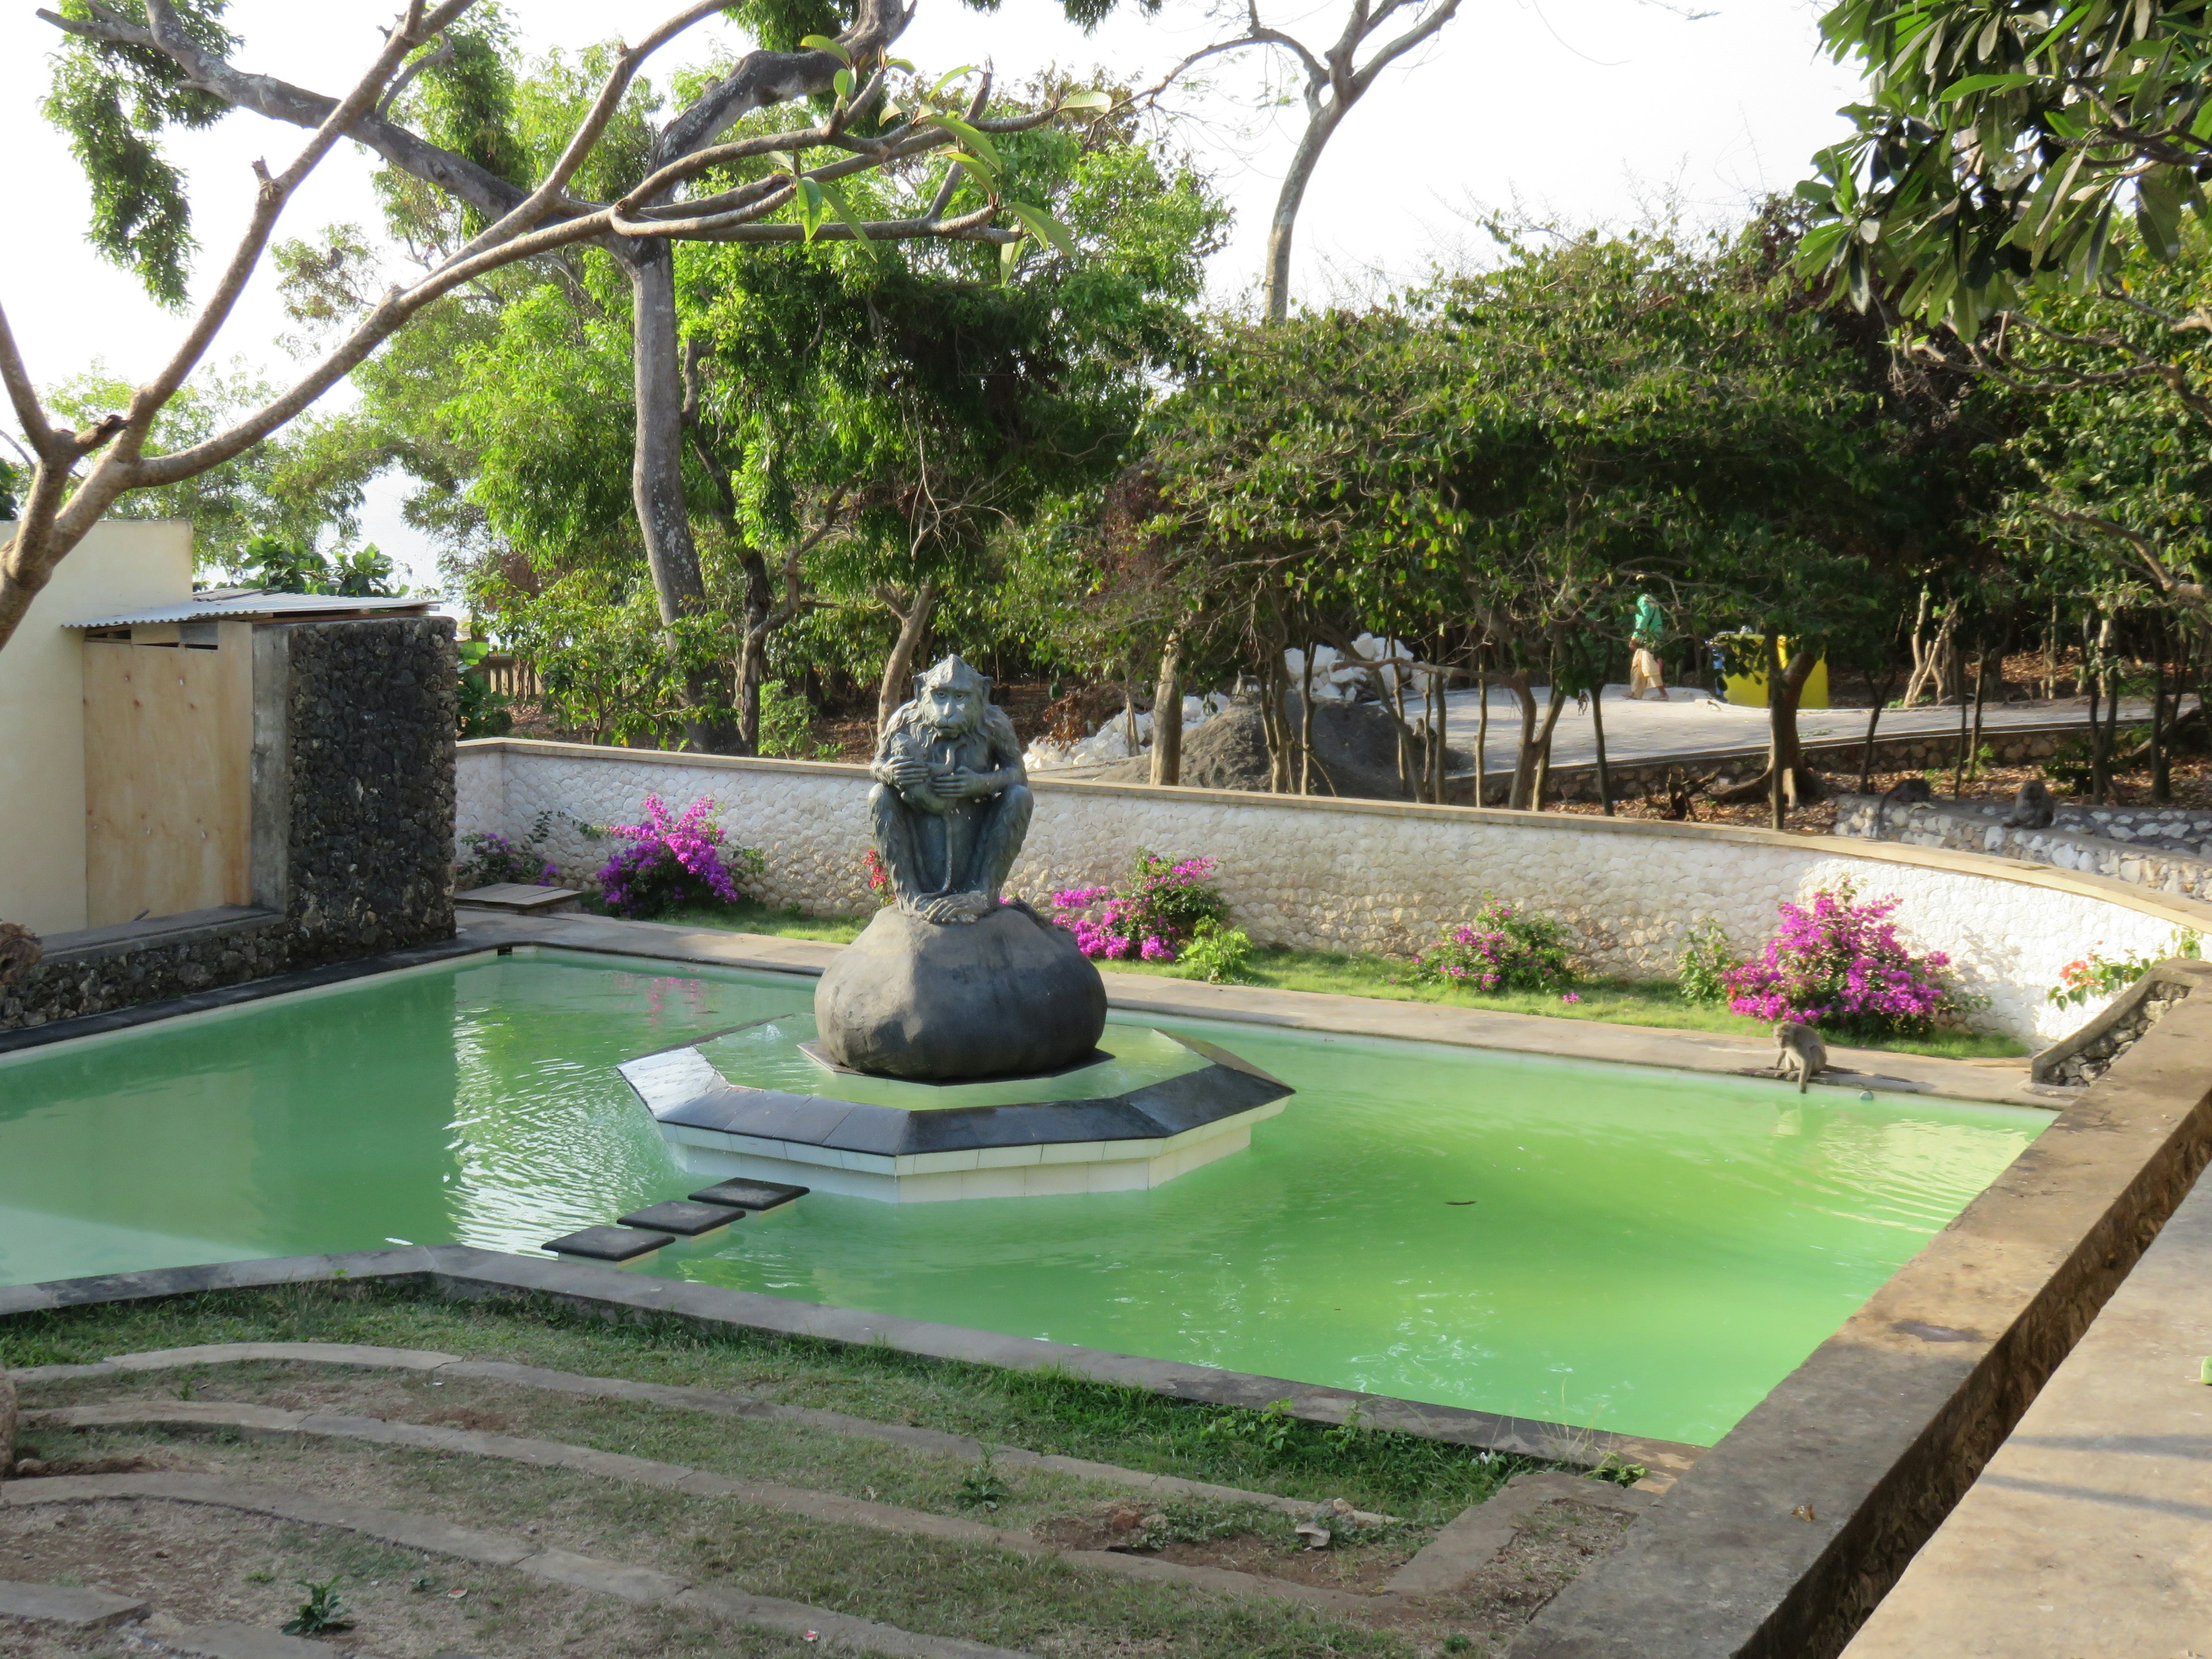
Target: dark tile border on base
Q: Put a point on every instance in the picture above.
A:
(252, 990)
(1785, 1536)
(462, 1272)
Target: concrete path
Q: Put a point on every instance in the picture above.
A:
(2089, 1534)
(1693, 722)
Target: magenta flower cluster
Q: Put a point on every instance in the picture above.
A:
(1504, 948)
(1150, 918)
(1839, 962)
(669, 861)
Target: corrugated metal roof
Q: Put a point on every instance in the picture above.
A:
(252, 604)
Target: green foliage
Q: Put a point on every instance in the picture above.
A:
(2094, 975)
(981, 1488)
(1707, 957)
(1217, 952)
(299, 488)
(9, 479)
(786, 724)
(284, 567)
(1270, 1428)
(322, 1612)
(2005, 147)
(482, 712)
(115, 102)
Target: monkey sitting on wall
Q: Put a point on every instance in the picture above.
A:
(1798, 1048)
(2031, 807)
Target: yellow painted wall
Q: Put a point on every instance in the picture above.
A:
(1749, 690)
(122, 565)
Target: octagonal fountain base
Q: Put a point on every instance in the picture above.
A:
(758, 1101)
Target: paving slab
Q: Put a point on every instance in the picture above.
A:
(2088, 1536)
(245, 1641)
(61, 1604)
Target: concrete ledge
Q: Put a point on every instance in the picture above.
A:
(1782, 1537)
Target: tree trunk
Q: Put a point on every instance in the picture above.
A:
(1553, 704)
(1439, 750)
(1524, 763)
(1401, 746)
(2161, 774)
(1482, 736)
(1784, 753)
(1597, 732)
(1981, 694)
(1959, 764)
(752, 652)
(1303, 159)
(898, 667)
(1874, 719)
(1306, 723)
(1167, 713)
(2100, 736)
(657, 482)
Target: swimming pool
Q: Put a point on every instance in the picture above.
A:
(1642, 1251)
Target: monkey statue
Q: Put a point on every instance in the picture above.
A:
(2031, 807)
(1798, 1048)
(951, 801)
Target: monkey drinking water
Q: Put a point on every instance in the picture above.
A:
(1798, 1048)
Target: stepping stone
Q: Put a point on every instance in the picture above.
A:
(687, 1217)
(242, 1642)
(608, 1245)
(60, 1604)
(749, 1195)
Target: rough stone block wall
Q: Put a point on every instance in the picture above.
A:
(370, 717)
(1355, 876)
(2137, 846)
(99, 980)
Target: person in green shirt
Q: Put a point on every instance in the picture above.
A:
(1645, 634)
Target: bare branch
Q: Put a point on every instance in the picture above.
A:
(30, 413)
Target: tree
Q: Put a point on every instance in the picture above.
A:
(127, 75)
(1335, 79)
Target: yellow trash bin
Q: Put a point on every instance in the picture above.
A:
(1748, 691)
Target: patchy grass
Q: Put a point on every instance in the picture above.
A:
(1651, 1002)
(1423, 1481)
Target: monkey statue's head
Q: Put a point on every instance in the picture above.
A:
(951, 698)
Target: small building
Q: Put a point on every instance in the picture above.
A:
(234, 780)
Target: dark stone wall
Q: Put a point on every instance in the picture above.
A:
(227, 947)
(369, 718)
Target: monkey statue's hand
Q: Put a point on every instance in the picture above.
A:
(961, 783)
(906, 772)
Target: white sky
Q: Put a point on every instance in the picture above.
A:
(1583, 111)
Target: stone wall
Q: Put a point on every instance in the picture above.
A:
(364, 765)
(2144, 847)
(353, 828)
(1368, 876)
(104, 969)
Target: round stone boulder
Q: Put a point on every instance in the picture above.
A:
(1005, 996)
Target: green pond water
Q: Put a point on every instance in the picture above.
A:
(1644, 1251)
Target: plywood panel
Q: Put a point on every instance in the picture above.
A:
(169, 738)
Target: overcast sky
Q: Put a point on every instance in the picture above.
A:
(1580, 111)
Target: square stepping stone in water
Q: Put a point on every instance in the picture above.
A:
(749, 1195)
(608, 1245)
(685, 1216)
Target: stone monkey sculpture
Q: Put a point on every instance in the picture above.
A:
(951, 801)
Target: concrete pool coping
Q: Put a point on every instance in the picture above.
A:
(464, 1272)
(1997, 1082)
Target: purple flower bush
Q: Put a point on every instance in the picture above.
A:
(667, 862)
(1150, 918)
(1837, 963)
(493, 858)
(1504, 948)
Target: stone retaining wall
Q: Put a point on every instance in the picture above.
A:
(2096, 841)
(104, 969)
(1368, 876)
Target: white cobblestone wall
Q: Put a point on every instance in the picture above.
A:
(1372, 876)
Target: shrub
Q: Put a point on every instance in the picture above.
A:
(1154, 916)
(1217, 952)
(1839, 963)
(1706, 961)
(492, 858)
(666, 862)
(879, 879)
(786, 724)
(1504, 948)
(2099, 975)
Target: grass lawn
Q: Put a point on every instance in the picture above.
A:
(1617, 1001)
